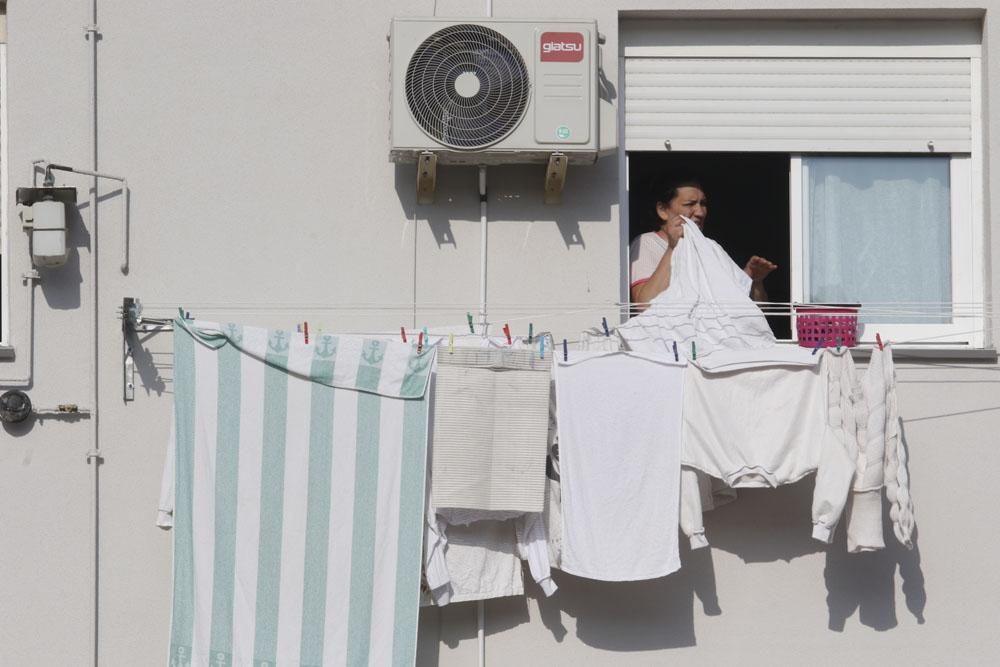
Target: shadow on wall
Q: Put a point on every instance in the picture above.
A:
(515, 194)
(764, 525)
(665, 605)
(866, 582)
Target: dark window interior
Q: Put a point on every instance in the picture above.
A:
(748, 209)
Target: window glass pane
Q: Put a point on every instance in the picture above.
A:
(879, 234)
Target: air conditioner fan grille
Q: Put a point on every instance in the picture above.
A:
(467, 86)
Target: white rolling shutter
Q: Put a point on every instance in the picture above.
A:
(798, 104)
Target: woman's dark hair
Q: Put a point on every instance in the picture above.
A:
(663, 189)
(666, 191)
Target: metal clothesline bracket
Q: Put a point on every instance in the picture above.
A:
(133, 322)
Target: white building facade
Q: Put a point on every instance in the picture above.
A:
(254, 138)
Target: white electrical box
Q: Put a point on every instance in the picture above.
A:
(48, 234)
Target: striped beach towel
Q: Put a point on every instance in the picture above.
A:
(295, 491)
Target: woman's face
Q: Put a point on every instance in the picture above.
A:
(689, 202)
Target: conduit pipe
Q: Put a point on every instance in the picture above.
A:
(94, 453)
(482, 252)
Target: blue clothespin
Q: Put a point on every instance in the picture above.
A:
(426, 337)
(604, 323)
(838, 343)
(541, 347)
(819, 344)
(565, 351)
(531, 331)
(677, 357)
(472, 329)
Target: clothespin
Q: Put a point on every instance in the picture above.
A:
(305, 331)
(420, 342)
(531, 331)
(187, 314)
(468, 317)
(541, 347)
(402, 333)
(878, 339)
(819, 344)
(604, 323)
(506, 332)
(298, 327)
(426, 337)
(565, 351)
(677, 357)
(451, 343)
(694, 351)
(838, 343)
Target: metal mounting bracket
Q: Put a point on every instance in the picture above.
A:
(555, 178)
(426, 177)
(131, 317)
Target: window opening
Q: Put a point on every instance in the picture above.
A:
(748, 207)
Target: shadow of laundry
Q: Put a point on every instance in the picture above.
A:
(866, 582)
(766, 525)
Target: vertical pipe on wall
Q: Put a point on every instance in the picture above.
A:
(480, 605)
(482, 250)
(94, 454)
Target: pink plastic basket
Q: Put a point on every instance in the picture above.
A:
(820, 326)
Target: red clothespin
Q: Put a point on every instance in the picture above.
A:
(402, 333)
(420, 342)
(878, 339)
(506, 331)
(305, 331)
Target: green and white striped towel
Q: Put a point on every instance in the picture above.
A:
(296, 492)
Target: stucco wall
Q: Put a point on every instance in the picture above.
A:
(254, 139)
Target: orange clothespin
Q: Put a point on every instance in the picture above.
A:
(420, 342)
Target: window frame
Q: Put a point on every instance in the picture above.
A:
(966, 263)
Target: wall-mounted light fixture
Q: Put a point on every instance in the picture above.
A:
(44, 213)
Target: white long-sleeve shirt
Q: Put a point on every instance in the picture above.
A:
(764, 426)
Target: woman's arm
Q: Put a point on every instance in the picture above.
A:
(659, 281)
(645, 292)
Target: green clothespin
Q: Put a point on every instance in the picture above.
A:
(472, 329)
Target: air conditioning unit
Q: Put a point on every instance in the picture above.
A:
(494, 91)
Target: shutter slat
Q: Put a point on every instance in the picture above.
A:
(902, 107)
(796, 66)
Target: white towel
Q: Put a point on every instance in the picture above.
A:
(619, 463)
(707, 303)
(296, 497)
(490, 430)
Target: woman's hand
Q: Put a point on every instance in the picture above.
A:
(758, 268)
(674, 230)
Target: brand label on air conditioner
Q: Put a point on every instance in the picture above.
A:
(564, 47)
